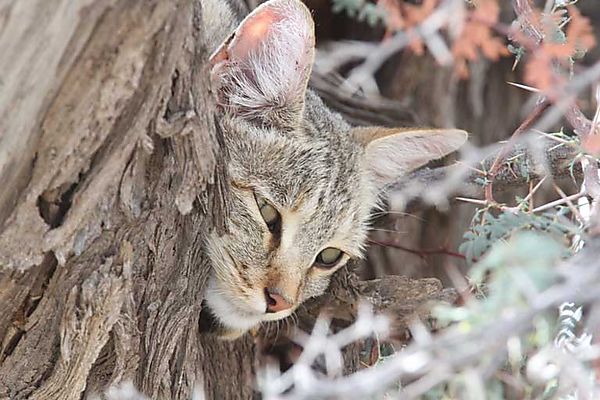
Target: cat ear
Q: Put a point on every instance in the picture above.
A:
(262, 69)
(391, 153)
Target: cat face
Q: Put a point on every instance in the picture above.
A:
(302, 180)
(299, 208)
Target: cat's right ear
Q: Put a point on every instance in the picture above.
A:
(261, 71)
(391, 153)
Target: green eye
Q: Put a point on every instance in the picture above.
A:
(269, 213)
(328, 257)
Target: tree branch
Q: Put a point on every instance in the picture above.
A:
(358, 109)
(427, 362)
(525, 163)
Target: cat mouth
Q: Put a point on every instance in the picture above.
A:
(225, 305)
(221, 312)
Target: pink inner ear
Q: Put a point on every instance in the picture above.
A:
(252, 33)
(262, 70)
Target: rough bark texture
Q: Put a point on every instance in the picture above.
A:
(107, 142)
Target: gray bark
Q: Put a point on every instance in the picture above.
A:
(112, 173)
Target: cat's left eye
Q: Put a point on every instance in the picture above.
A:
(329, 257)
(269, 213)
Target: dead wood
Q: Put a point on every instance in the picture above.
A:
(358, 109)
(112, 179)
(523, 165)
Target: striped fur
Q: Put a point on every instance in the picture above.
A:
(285, 145)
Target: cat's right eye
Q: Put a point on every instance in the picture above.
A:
(329, 257)
(269, 213)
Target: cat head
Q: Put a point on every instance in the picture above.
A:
(303, 182)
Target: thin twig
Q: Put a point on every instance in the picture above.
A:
(569, 202)
(534, 190)
(552, 137)
(559, 202)
(537, 111)
(422, 253)
(473, 201)
(426, 363)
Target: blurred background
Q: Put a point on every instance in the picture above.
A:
(413, 89)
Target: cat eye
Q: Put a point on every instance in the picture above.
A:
(329, 257)
(269, 213)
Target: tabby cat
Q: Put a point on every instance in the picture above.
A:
(303, 181)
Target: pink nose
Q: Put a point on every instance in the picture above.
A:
(275, 302)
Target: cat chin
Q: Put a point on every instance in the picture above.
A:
(230, 312)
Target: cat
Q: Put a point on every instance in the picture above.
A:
(303, 182)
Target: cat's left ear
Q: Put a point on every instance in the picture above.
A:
(262, 69)
(391, 153)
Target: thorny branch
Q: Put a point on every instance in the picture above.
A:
(362, 77)
(469, 178)
(429, 360)
(558, 102)
(537, 111)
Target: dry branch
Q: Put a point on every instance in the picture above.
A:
(429, 361)
(359, 109)
(525, 164)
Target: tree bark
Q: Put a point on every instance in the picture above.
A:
(112, 173)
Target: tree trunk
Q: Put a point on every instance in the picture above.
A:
(111, 173)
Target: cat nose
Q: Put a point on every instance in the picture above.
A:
(275, 302)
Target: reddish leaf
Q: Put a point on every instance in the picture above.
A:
(591, 144)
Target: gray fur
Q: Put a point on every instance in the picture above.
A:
(303, 159)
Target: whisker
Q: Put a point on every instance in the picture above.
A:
(277, 330)
(267, 328)
(401, 213)
(387, 230)
(293, 321)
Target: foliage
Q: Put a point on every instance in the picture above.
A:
(487, 229)
(477, 37)
(514, 271)
(527, 257)
(564, 35)
(361, 10)
(510, 274)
